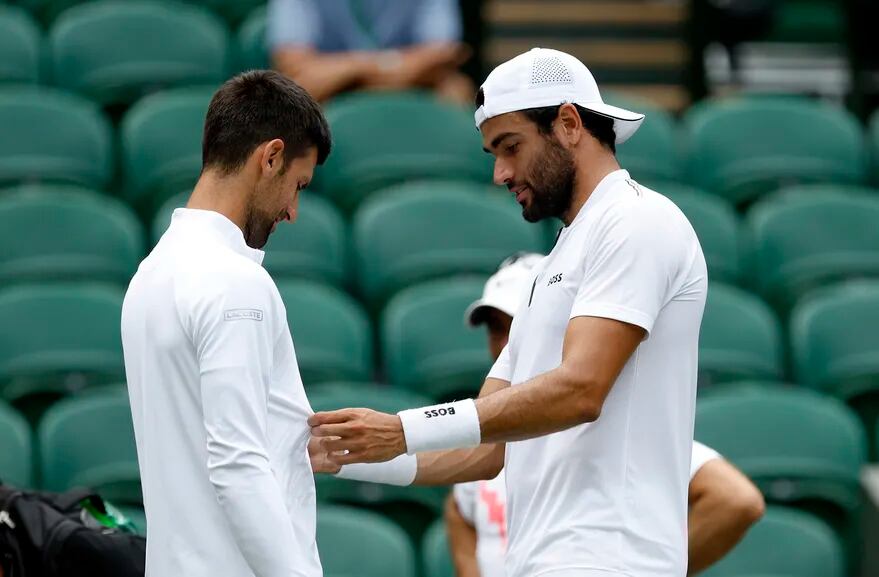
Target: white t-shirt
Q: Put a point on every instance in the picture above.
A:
(610, 497)
(219, 409)
(483, 505)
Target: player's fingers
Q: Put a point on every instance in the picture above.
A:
(341, 430)
(329, 417)
(349, 457)
(334, 445)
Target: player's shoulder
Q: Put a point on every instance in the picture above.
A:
(216, 270)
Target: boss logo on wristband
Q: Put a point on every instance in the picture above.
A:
(431, 413)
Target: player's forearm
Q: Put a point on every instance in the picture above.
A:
(564, 400)
(460, 465)
(719, 517)
(323, 75)
(462, 541)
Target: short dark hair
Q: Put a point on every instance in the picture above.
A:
(255, 107)
(598, 125)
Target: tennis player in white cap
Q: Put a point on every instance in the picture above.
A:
(722, 502)
(592, 400)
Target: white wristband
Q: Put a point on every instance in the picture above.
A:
(399, 471)
(446, 426)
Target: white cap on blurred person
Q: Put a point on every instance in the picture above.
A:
(504, 288)
(545, 77)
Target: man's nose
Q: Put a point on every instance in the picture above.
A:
(503, 173)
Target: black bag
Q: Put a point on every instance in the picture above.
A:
(46, 535)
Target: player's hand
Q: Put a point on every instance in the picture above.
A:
(320, 461)
(358, 435)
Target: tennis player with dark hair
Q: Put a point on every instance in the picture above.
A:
(217, 401)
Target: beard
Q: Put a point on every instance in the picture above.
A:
(257, 227)
(552, 178)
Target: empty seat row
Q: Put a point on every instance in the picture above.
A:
(794, 241)
(385, 139)
(425, 346)
(154, 44)
(46, 11)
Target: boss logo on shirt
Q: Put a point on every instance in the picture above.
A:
(554, 279)
(243, 315)
(431, 413)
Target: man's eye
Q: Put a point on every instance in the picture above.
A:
(513, 148)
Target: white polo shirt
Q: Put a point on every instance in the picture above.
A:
(610, 497)
(219, 409)
(483, 504)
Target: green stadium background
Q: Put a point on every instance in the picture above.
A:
(98, 146)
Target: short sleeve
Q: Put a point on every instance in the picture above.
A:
(465, 498)
(629, 269)
(502, 368)
(292, 23)
(437, 21)
(701, 455)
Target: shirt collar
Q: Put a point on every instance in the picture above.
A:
(604, 185)
(219, 227)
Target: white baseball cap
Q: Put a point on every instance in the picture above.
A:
(504, 288)
(545, 77)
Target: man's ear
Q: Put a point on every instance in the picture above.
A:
(272, 157)
(569, 125)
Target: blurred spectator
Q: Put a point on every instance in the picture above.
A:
(334, 46)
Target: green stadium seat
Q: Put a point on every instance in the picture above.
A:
(253, 54)
(88, 441)
(115, 51)
(800, 447)
(315, 246)
(420, 231)
(873, 145)
(45, 11)
(51, 136)
(413, 508)
(59, 338)
(426, 345)
(67, 233)
(437, 560)
(332, 334)
(744, 148)
(232, 11)
(835, 346)
(161, 145)
(20, 45)
(16, 448)
(809, 21)
(359, 543)
(740, 338)
(162, 219)
(384, 139)
(805, 239)
(785, 543)
(652, 153)
(717, 226)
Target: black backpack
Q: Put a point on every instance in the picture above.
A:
(49, 535)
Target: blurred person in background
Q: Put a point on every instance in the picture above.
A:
(723, 503)
(335, 46)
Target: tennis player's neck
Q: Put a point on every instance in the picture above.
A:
(588, 179)
(219, 195)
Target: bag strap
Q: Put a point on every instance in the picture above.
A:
(71, 499)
